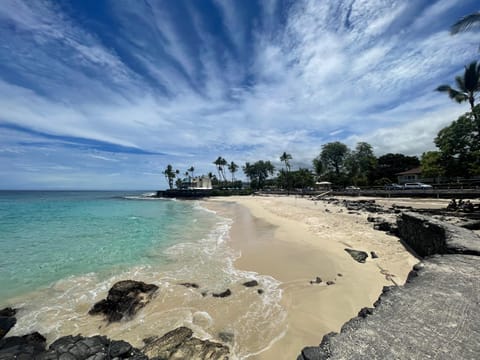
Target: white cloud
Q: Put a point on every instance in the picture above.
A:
(350, 71)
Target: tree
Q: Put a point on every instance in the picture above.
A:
(318, 165)
(432, 165)
(232, 167)
(258, 172)
(466, 23)
(170, 175)
(220, 163)
(468, 85)
(300, 179)
(333, 156)
(389, 165)
(191, 170)
(285, 159)
(459, 144)
(361, 164)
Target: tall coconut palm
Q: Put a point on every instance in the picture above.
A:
(468, 85)
(191, 170)
(220, 164)
(170, 175)
(232, 167)
(285, 158)
(466, 23)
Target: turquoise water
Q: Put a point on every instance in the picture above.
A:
(49, 236)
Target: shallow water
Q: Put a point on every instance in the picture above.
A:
(66, 249)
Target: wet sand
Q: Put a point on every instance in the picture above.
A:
(294, 240)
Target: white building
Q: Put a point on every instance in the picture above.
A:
(201, 182)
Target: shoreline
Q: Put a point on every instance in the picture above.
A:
(295, 240)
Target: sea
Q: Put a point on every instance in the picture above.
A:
(60, 252)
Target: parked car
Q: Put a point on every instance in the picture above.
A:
(417, 185)
(352, 188)
(393, 187)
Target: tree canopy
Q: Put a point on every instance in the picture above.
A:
(459, 144)
(258, 172)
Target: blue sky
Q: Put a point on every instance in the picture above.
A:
(104, 94)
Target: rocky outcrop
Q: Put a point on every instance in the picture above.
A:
(180, 344)
(177, 344)
(357, 255)
(124, 299)
(433, 316)
(32, 346)
(428, 236)
(7, 320)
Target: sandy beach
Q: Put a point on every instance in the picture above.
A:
(295, 240)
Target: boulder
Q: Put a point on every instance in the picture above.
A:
(124, 299)
(250, 283)
(7, 320)
(190, 285)
(223, 294)
(180, 344)
(357, 255)
(22, 347)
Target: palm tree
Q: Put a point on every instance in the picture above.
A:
(285, 159)
(468, 85)
(232, 167)
(221, 163)
(170, 175)
(191, 170)
(466, 23)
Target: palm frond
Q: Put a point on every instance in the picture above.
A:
(443, 88)
(466, 23)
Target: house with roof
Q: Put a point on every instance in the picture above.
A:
(412, 175)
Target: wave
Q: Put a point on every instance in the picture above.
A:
(256, 320)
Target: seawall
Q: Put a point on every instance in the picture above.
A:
(433, 316)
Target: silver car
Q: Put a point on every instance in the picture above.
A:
(417, 185)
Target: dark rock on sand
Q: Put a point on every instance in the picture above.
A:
(179, 344)
(95, 347)
(260, 291)
(330, 282)
(373, 254)
(32, 346)
(317, 280)
(22, 347)
(222, 294)
(357, 255)
(124, 299)
(7, 320)
(250, 283)
(190, 285)
(226, 337)
(8, 312)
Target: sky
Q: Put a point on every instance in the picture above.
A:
(98, 94)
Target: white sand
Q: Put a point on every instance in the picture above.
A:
(295, 240)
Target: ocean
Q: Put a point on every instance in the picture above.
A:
(61, 251)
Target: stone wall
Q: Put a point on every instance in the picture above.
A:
(433, 316)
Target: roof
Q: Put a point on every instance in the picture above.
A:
(417, 170)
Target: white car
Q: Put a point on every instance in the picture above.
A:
(417, 185)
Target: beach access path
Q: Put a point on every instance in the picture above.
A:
(296, 240)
